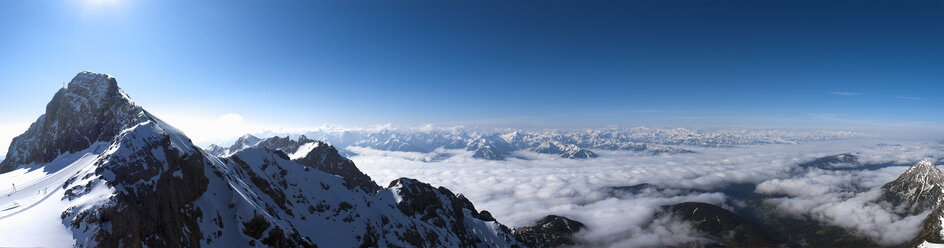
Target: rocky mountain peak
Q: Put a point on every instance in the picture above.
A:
(120, 176)
(90, 109)
(94, 86)
(920, 188)
(924, 170)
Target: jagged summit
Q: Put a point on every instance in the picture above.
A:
(103, 172)
(924, 170)
(94, 85)
(320, 156)
(920, 188)
(92, 108)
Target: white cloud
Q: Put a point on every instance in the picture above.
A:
(205, 130)
(911, 98)
(520, 191)
(844, 93)
(231, 118)
(832, 197)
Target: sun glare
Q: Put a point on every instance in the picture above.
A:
(101, 7)
(101, 2)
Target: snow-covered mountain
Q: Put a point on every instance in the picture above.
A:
(919, 189)
(97, 170)
(500, 144)
(243, 142)
(565, 150)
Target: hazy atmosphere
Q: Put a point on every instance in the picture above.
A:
(250, 66)
(471, 123)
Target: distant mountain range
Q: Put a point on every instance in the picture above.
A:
(98, 170)
(501, 144)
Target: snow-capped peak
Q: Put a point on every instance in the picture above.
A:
(91, 109)
(920, 188)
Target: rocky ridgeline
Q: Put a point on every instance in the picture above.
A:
(90, 109)
(919, 189)
(146, 184)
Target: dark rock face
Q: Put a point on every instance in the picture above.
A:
(91, 109)
(156, 214)
(143, 183)
(156, 177)
(550, 231)
(931, 228)
(441, 208)
(724, 227)
(824, 162)
(919, 189)
(325, 158)
(322, 157)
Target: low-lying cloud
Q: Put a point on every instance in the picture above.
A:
(837, 198)
(519, 191)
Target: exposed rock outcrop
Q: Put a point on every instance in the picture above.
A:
(550, 231)
(919, 189)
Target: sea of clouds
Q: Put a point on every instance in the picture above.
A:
(518, 191)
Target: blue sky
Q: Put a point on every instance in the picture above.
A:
(296, 64)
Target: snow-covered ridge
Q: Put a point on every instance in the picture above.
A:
(99, 171)
(919, 189)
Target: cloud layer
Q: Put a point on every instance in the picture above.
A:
(520, 191)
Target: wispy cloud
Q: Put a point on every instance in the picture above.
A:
(845, 93)
(911, 98)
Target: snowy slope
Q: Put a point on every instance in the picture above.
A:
(123, 177)
(38, 195)
(317, 205)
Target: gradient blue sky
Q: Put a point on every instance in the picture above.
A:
(294, 64)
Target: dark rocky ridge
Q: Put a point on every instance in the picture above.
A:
(919, 189)
(828, 161)
(323, 157)
(442, 208)
(931, 228)
(151, 206)
(550, 231)
(156, 215)
(155, 186)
